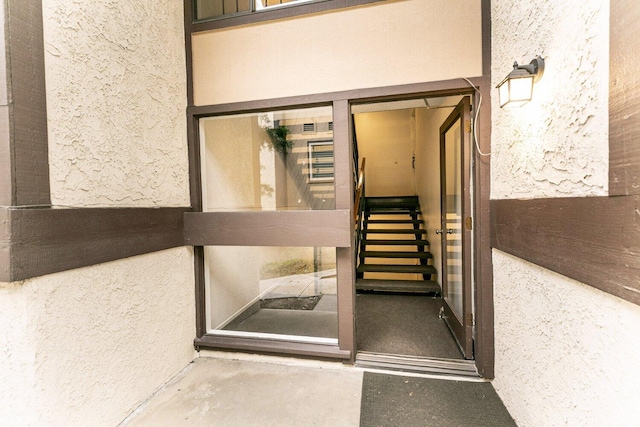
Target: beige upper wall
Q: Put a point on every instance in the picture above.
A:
(382, 44)
(116, 99)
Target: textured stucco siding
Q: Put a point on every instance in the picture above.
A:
(116, 99)
(86, 346)
(557, 144)
(567, 354)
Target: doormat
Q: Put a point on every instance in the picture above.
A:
(394, 400)
(291, 303)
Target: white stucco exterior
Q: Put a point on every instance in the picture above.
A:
(86, 346)
(557, 144)
(566, 353)
(116, 97)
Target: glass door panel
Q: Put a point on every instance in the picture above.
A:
(456, 236)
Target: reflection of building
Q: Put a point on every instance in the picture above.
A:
(97, 295)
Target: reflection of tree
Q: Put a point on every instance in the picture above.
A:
(279, 141)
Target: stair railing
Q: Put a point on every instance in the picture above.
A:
(358, 208)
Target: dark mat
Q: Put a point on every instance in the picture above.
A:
(291, 303)
(393, 400)
(403, 324)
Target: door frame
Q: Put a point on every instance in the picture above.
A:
(341, 101)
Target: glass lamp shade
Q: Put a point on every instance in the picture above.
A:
(516, 89)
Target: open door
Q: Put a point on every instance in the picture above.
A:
(455, 136)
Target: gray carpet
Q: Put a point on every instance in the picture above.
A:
(403, 324)
(390, 400)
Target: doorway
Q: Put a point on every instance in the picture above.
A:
(414, 305)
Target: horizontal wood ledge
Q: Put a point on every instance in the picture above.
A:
(35, 242)
(328, 228)
(595, 240)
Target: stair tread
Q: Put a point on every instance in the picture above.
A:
(405, 286)
(388, 211)
(396, 242)
(392, 221)
(395, 254)
(392, 201)
(392, 268)
(394, 231)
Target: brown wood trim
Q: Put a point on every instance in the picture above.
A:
(188, 30)
(201, 309)
(279, 13)
(5, 243)
(595, 240)
(272, 346)
(330, 228)
(345, 257)
(387, 93)
(483, 271)
(624, 98)
(44, 241)
(23, 147)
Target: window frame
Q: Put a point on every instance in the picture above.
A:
(270, 13)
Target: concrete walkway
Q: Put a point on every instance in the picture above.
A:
(230, 389)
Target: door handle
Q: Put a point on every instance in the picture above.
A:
(448, 231)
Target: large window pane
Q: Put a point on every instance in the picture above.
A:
(268, 161)
(262, 291)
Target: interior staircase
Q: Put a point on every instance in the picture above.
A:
(394, 252)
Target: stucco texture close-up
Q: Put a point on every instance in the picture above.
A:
(93, 343)
(566, 353)
(557, 144)
(116, 96)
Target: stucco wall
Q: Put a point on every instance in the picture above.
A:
(86, 346)
(557, 144)
(116, 98)
(381, 44)
(566, 353)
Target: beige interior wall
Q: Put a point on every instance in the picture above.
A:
(387, 139)
(380, 44)
(232, 280)
(428, 123)
(231, 163)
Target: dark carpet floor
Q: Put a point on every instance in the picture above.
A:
(403, 324)
(390, 400)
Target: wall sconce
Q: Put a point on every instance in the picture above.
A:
(516, 89)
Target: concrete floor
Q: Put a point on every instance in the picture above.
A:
(255, 391)
(236, 389)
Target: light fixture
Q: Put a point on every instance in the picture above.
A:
(517, 87)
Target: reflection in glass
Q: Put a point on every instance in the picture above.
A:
(268, 161)
(271, 290)
(453, 180)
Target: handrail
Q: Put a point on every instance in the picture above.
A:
(358, 205)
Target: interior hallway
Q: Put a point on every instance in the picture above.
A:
(229, 389)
